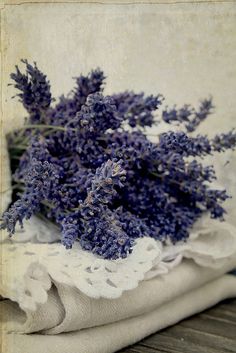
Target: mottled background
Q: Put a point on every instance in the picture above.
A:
(185, 51)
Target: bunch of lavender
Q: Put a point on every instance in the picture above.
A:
(105, 184)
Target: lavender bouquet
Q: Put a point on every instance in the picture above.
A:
(87, 164)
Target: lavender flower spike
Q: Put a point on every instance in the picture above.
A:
(35, 91)
(39, 178)
(102, 190)
(71, 228)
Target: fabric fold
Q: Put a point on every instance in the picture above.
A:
(84, 312)
(68, 309)
(112, 337)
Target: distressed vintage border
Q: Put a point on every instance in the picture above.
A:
(9, 3)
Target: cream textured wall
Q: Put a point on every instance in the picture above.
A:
(185, 51)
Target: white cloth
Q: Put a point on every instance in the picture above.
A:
(69, 320)
(87, 325)
(30, 267)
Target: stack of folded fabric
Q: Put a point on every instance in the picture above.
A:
(91, 306)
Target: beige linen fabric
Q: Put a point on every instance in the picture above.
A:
(112, 337)
(72, 310)
(102, 325)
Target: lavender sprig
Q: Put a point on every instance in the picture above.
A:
(35, 91)
(102, 189)
(39, 181)
(222, 142)
(137, 109)
(71, 229)
(187, 115)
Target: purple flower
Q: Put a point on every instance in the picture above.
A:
(102, 190)
(86, 85)
(222, 142)
(71, 229)
(136, 108)
(187, 115)
(105, 237)
(179, 142)
(40, 180)
(97, 115)
(67, 107)
(35, 91)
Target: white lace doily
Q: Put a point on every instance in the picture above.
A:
(30, 265)
(34, 259)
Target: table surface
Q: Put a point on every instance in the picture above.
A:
(212, 331)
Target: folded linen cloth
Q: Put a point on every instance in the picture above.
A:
(88, 325)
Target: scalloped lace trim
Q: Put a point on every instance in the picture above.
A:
(33, 260)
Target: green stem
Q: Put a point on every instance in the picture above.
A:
(18, 147)
(15, 157)
(15, 186)
(47, 204)
(53, 127)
